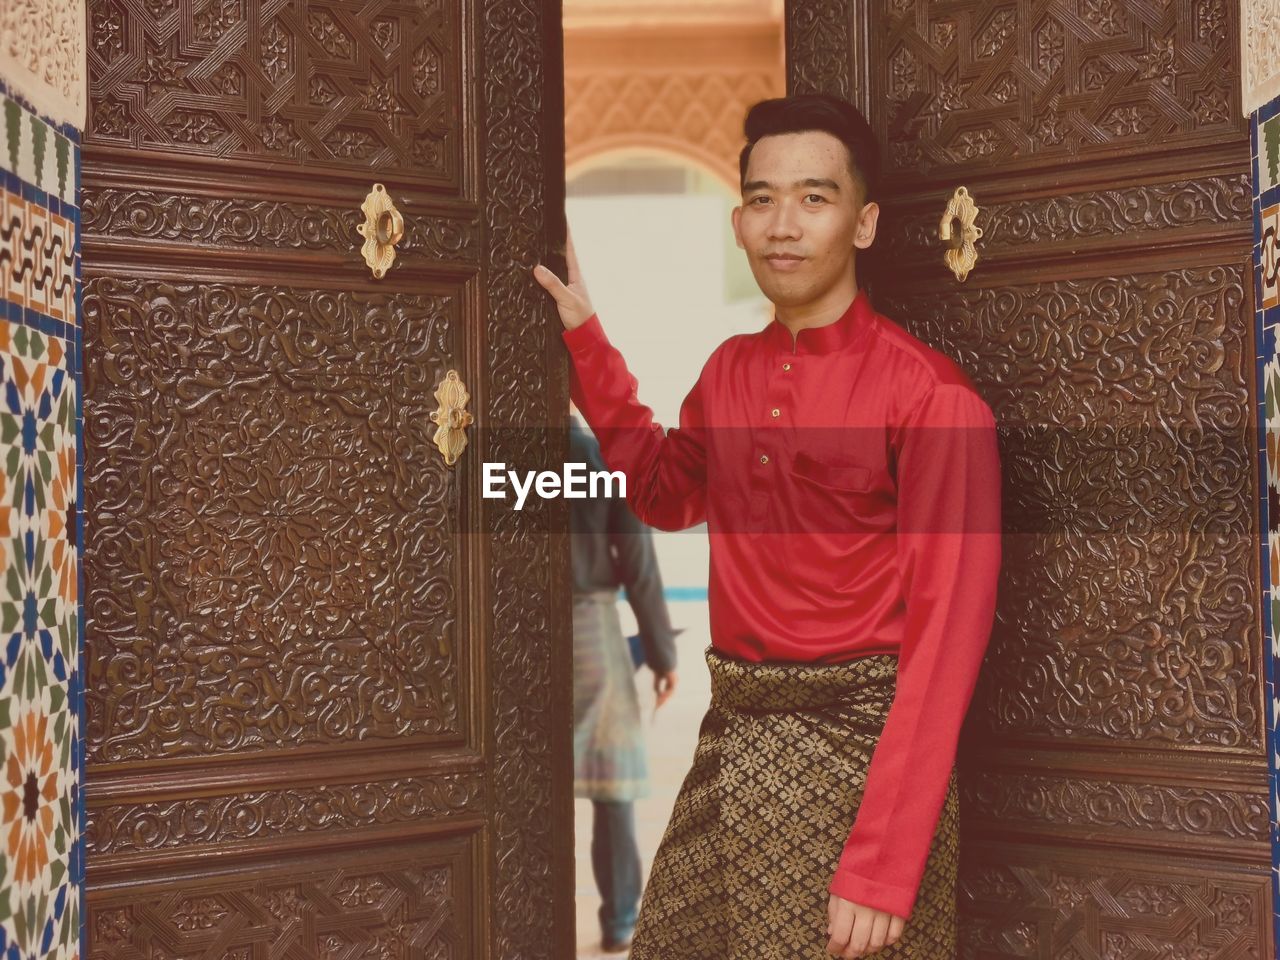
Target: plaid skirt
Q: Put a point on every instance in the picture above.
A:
(763, 815)
(608, 740)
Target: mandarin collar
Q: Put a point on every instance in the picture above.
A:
(846, 331)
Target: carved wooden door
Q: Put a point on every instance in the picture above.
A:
(1113, 768)
(328, 706)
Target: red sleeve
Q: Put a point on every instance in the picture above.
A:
(949, 559)
(666, 472)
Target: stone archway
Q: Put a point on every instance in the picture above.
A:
(660, 81)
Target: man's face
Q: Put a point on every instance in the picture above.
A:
(800, 199)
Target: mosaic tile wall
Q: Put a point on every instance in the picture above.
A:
(41, 627)
(1265, 132)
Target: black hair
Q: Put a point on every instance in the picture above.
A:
(817, 111)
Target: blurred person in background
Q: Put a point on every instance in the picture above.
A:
(611, 548)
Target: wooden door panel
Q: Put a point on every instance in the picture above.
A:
(971, 84)
(1073, 229)
(1130, 504)
(1114, 776)
(391, 900)
(1029, 901)
(297, 330)
(294, 552)
(328, 685)
(439, 233)
(324, 86)
(134, 829)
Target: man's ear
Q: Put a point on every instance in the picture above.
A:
(736, 216)
(866, 231)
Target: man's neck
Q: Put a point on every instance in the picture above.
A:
(827, 309)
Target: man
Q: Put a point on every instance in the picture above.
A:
(849, 477)
(608, 547)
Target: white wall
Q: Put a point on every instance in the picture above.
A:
(655, 268)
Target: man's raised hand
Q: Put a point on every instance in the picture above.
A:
(572, 300)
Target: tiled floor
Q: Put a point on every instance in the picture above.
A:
(670, 737)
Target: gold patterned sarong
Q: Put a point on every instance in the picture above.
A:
(763, 815)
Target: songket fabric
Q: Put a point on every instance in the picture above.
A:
(760, 820)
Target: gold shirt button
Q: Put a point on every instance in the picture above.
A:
(764, 458)
(786, 366)
(776, 411)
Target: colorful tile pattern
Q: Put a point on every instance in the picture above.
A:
(41, 530)
(38, 153)
(1269, 256)
(37, 257)
(1269, 155)
(1265, 133)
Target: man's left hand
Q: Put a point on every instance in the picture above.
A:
(858, 931)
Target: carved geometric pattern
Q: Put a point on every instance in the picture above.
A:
(1194, 811)
(1046, 77)
(125, 828)
(309, 82)
(1034, 903)
(1012, 226)
(113, 212)
(1128, 601)
(273, 560)
(404, 908)
(697, 115)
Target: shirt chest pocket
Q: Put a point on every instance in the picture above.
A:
(839, 476)
(834, 497)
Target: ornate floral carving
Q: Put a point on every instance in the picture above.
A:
(107, 24)
(1128, 597)
(1075, 801)
(820, 48)
(524, 660)
(1048, 41)
(999, 29)
(273, 559)
(125, 828)
(114, 212)
(335, 41)
(213, 19)
(1012, 227)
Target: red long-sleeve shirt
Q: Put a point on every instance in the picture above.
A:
(850, 483)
